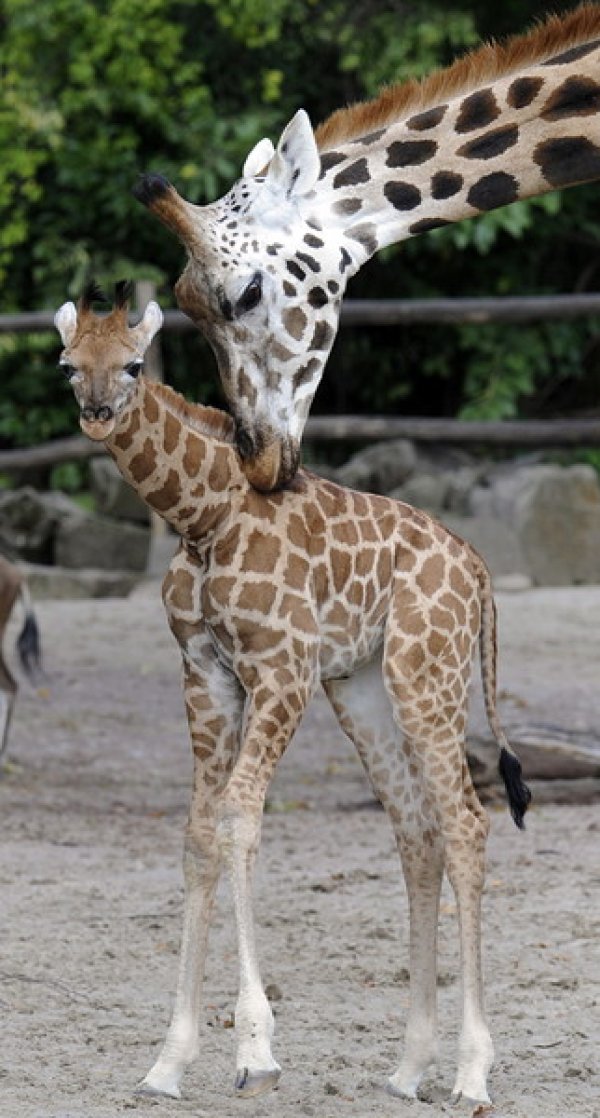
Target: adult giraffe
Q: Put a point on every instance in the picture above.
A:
(269, 262)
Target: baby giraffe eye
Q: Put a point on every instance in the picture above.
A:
(251, 296)
(68, 370)
(134, 369)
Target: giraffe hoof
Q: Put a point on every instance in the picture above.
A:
(250, 1083)
(484, 1106)
(166, 1089)
(399, 1092)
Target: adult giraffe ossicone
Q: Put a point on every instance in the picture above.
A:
(269, 262)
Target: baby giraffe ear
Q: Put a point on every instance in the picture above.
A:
(150, 324)
(65, 321)
(295, 166)
(257, 159)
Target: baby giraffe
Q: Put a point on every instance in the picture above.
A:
(268, 596)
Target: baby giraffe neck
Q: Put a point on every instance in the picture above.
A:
(178, 459)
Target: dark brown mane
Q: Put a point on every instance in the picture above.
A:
(208, 421)
(479, 67)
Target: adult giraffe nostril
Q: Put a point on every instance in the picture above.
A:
(104, 414)
(245, 443)
(88, 413)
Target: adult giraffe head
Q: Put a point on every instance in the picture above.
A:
(268, 263)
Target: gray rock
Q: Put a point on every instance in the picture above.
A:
(493, 539)
(113, 496)
(101, 543)
(554, 512)
(424, 491)
(380, 468)
(57, 582)
(29, 520)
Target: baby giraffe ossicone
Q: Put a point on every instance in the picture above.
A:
(268, 596)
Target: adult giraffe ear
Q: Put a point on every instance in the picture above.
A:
(149, 325)
(65, 321)
(257, 159)
(296, 165)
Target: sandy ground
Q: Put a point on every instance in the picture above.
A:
(93, 803)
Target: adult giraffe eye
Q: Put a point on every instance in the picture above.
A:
(67, 370)
(134, 369)
(251, 296)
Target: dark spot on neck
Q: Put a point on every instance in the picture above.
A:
(523, 91)
(429, 119)
(497, 189)
(477, 110)
(410, 153)
(402, 195)
(353, 175)
(331, 159)
(491, 144)
(575, 97)
(445, 184)
(569, 160)
(573, 54)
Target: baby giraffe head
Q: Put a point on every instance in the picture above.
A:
(103, 355)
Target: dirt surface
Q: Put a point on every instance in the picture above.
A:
(93, 803)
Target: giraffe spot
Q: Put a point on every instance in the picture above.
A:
(370, 137)
(444, 184)
(337, 616)
(454, 603)
(194, 454)
(523, 91)
(426, 225)
(305, 373)
(171, 432)
(296, 572)
(331, 159)
(568, 160)
(310, 261)
(168, 495)
(365, 235)
(402, 195)
(422, 122)
(345, 260)
(317, 297)
(333, 286)
(297, 532)
(345, 532)
(151, 410)
(573, 54)
(368, 531)
(261, 554)
(356, 173)
(257, 596)
(312, 241)
(459, 584)
(422, 541)
(356, 594)
(496, 189)
(365, 561)
(405, 560)
(295, 269)
(142, 465)
(477, 110)
(414, 658)
(384, 567)
(289, 289)
(341, 568)
(431, 575)
(410, 153)
(295, 321)
(492, 144)
(347, 206)
(575, 97)
(219, 477)
(441, 619)
(126, 437)
(322, 336)
(181, 591)
(295, 607)
(260, 639)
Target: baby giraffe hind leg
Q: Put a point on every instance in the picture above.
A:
(427, 676)
(364, 711)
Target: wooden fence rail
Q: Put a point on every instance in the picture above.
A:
(380, 312)
(389, 312)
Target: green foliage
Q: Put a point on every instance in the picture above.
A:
(95, 91)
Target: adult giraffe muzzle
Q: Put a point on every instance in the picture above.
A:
(269, 262)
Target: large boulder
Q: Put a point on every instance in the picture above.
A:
(101, 543)
(113, 496)
(29, 520)
(380, 468)
(554, 512)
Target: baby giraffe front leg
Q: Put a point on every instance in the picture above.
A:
(214, 708)
(271, 718)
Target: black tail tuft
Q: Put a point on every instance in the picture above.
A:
(519, 795)
(149, 187)
(28, 647)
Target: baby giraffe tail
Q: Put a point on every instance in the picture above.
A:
(519, 795)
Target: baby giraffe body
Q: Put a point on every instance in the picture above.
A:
(268, 596)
